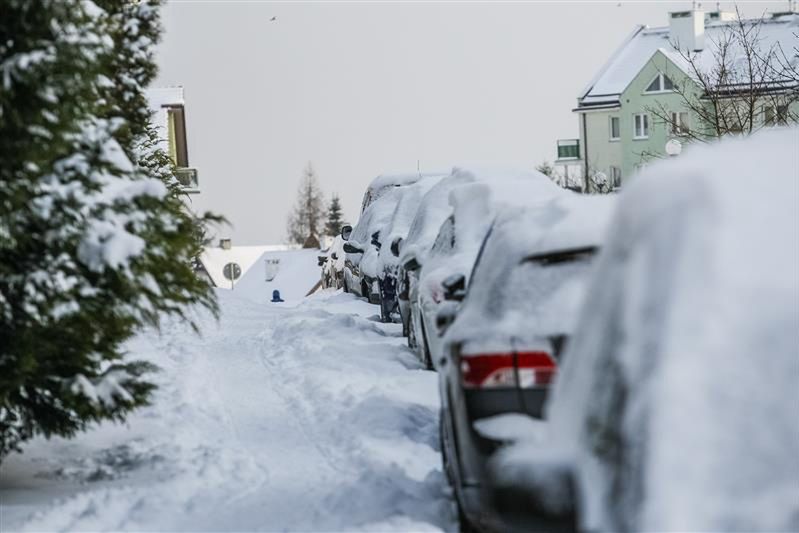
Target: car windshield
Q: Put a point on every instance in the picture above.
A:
(548, 289)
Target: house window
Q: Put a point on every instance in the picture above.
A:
(661, 83)
(640, 126)
(768, 115)
(782, 114)
(679, 123)
(615, 129)
(615, 177)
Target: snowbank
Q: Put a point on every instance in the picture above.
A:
(292, 272)
(264, 424)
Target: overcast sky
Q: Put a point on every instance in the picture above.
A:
(361, 89)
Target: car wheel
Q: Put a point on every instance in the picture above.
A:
(426, 357)
(464, 525)
(412, 342)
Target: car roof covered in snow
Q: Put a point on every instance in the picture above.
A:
(401, 219)
(500, 300)
(385, 182)
(694, 303)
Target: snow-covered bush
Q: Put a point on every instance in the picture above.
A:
(94, 239)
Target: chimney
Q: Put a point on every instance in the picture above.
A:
(224, 244)
(687, 30)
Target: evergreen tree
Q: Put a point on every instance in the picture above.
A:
(94, 240)
(307, 217)
(334, 217)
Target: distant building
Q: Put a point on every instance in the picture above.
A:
(169, 117)
(618, 134)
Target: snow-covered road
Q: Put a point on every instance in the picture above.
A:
(314, 417)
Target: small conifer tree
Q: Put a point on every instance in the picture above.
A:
(334, 217)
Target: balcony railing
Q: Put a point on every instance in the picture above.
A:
(568, 149)
(187, 177)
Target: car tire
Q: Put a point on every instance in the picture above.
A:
(464, 524)
(427, 359)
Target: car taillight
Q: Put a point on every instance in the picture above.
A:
(500, 370)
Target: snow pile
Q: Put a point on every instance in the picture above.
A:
(474, 204)
(215, 258)
(292, 272)
(678, 396)
(318, 404)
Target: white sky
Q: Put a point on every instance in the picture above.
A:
(362, 89)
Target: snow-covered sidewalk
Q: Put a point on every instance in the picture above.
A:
(313, 417)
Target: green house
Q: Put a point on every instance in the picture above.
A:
(638, 103)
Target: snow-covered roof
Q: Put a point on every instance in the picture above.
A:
(639, 47)
(214, 259)
(292, 272)
(158, 97)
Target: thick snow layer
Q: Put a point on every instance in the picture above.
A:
(474, 204)
(627, 62)
(433, 210)
(402, 218)
(510, 297)
(306, 418)
(687, 350)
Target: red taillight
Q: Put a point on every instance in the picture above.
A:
(497, 370)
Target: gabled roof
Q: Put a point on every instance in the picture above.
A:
(639, 47)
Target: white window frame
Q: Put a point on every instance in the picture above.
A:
(618, 128)
(678, 126)
(661, 85)
(644, 124)
(615, 177)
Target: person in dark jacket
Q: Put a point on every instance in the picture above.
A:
(276, 296)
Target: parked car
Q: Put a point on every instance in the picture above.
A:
(362, 264)
(393, 236)
(434, 209)
(503, 346)
(332, 263)
(676, 406)
(473, 205)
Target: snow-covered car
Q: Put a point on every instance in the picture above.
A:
(433, 210)
(676, 406)
(502, 351)
(362, 264)
(332, 263)
(473, 204)
(393, 236)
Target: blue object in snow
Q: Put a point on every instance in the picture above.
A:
(276, 296)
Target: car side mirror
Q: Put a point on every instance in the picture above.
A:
(446, 315)
(346, 231)
(334, 255)
(375, 239)
(454, 287)
(352, 249)
(411, 265)
(321, 260)
(395, 246)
